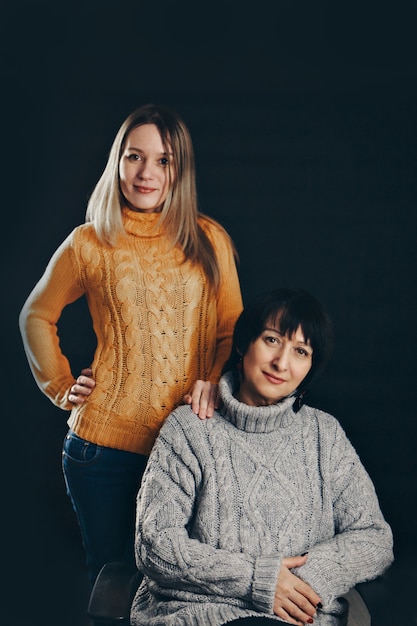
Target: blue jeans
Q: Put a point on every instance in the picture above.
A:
(103, 484)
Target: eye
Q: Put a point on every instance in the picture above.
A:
(272, 340)
(133, 157)
(164, 161)
(302, 352)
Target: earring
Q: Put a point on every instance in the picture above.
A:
(298, 402)
(239, 366)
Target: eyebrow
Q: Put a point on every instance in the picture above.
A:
(275, 330)
(140, 150)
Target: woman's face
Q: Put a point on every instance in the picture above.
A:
(144, 169)
(274, 366)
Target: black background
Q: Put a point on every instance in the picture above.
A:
(303, 117)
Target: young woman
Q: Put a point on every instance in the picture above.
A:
(264, 512)
(163, 292)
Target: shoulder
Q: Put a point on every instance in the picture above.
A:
(84, 242)
(182, 422)
(211, 227)
(74, 240)
(330, 434)
(216, 233)
(80, 234)
(183, 427)
(325, 423)
(84, 232)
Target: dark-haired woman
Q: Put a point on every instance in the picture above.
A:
(264, 512)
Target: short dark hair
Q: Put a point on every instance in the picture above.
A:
(287, 309)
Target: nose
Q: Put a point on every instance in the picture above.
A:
(145, 171)
(280, 359)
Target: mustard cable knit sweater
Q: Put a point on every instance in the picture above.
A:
(158, 328)
(224, 500)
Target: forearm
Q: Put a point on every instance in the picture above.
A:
(50, 368)
(166, 549)
(204, 570)
(335, 566)
(362, 546)
(58, 287)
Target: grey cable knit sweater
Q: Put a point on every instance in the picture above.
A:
(224, 500)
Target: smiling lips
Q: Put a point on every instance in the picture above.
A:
(144, 189)
(273, 379)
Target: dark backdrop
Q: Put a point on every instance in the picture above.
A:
(303, 117)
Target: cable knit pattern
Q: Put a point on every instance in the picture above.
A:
(224, 500)
(158, 327)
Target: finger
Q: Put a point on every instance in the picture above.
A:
(304, 604)
(200, 405)
(87, 371)
(283, 614)
(294, 561)
(300, 586)
(293, 613)
(76, 399)
(294, 595)
(212, 402)
(203, 398)
(85, 382)
(193, 397)
(79, 392)
(218, 401)
(306, 595)
(294, 603)
(198, 400)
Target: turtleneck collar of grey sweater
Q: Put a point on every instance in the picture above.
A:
(254, 419)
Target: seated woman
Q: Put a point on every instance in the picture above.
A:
(263, 512)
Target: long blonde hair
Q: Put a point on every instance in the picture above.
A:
(179, 215)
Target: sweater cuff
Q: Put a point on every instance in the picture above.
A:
(60, 398)
(319, 575)
(264, 583)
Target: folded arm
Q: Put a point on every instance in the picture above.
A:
(165, 548)
(362, 547)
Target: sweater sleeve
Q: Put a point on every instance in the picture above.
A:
(59, 286)
(178, 564)
(229, 297)
(362, 546)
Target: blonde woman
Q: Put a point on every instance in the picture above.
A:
(163, 292)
